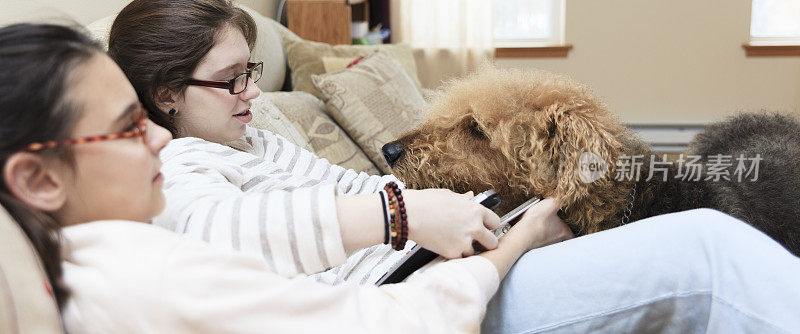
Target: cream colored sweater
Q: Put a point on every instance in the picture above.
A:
(270, 197)
(129, 277)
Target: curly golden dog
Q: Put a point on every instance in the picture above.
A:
(537, 134)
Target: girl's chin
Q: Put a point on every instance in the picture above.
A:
(239, 133)
(242, 129)
(235, 132)
(159, 204)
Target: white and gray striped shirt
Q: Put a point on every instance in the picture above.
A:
(274, 198)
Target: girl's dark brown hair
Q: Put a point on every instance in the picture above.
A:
(36, 62)
(158, 44)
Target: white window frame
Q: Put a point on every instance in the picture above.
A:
(557, 21)
(766, 41)
(774, 40)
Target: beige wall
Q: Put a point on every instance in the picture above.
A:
(652, 60)
(86, 11)
(671, 60)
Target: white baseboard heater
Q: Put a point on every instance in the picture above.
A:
(668, 138)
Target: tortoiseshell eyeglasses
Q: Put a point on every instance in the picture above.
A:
(138, 128)
(236, 85)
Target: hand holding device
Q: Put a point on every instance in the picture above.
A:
(447, 223)
(539, 227)
(418, 256)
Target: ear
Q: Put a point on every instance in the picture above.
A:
(166, 99)
(588, 139)
(35, 182)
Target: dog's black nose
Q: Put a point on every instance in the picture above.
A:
(392, 152)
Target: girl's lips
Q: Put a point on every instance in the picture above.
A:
(158, 177)
(245, 117)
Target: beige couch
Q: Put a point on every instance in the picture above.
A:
(25, 303)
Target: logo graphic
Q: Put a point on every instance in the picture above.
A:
(591, 167)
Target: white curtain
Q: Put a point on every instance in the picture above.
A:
(449, 37)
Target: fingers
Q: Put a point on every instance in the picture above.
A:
(546, 207)
(485, 239)
(490, 219)
(478, 247)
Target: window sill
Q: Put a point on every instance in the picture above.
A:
(751, 50)
(556, 51)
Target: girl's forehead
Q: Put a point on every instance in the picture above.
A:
(230, 48)
(100, 90)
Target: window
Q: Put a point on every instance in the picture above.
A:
(528, 23)
(775, 22)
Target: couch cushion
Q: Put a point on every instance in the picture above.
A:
(26, 305)
(100, 29)
(374, 100)
(336, 64)
(304, 114)
(267, 116)
(305, 60)
(268, 48)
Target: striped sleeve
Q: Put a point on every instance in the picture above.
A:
(213, 196)
(297, 161)
(363, 266)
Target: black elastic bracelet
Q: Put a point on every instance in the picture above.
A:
(385, 218)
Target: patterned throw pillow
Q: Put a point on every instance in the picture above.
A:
(336, 64)
(301, 118)
(305, 60)
(374, 101)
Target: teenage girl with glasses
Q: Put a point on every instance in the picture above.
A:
(190, 63)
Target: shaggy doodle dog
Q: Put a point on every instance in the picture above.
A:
(537, 134)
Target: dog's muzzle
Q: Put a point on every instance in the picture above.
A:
(392, 152)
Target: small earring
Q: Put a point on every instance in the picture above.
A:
(172, 115)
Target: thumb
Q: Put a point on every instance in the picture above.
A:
(547, 206)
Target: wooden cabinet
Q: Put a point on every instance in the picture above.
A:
(324, 20)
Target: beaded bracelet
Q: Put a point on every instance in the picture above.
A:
(392, 222)
(385, 207)
(398, 217)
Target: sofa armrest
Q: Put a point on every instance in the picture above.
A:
(26, 305)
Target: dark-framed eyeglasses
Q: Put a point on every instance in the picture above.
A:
(139, 129)
(236, 85)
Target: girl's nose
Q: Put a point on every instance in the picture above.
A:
(251, 91)
(156, 137)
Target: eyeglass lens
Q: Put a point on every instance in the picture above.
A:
(240, 83)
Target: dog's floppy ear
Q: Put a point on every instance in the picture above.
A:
(585, 147)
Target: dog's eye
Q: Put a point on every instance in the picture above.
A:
(476, 130)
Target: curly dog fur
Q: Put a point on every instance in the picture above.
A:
(522, 133)
(772, 202)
